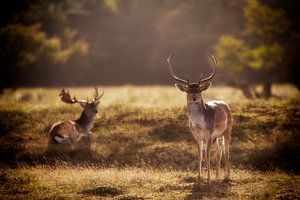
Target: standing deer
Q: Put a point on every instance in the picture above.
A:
(72, 131)
(208, 121)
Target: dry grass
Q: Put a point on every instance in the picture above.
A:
(141, 147)
(86, 182)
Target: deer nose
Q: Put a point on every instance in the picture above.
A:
(194, 98)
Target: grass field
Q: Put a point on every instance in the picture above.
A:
(141, 147)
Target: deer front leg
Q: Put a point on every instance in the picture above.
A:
(200, 157)
(208, 147)
(219, 156)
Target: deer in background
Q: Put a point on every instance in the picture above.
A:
(209, 122)
(72, 131)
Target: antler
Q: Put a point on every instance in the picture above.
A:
(213, 73)
(97, 96)
(65, 97)
(172, 73)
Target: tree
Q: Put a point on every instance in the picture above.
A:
(265, 25)
(267, 58)
(232, 54)
(24, 46)
(27, 40)
(260, 49)
(264, 22)
(234, 57)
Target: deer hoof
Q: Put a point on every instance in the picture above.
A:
(199, 179)
(208, 181)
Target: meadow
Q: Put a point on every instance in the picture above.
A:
(141, 146)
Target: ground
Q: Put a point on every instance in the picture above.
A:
(141, 147)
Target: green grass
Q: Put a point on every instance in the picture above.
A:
(141, 147)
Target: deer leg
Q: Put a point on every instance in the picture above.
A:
(219, 156)
(200, 157)
(208, 147)
(227, 139)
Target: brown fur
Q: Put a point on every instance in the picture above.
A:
(208, 122)
(72, 131)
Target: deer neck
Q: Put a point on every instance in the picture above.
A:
(197, 111)
(85, 122)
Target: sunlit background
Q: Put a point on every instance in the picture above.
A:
(141, 146)
(115, 42)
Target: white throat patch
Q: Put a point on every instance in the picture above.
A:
(195, 113)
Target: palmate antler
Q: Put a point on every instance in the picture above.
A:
(66, 97)
(186, 81)
(97, 96)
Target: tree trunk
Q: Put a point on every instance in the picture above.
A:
(267, 89)
(267, 86)
(248, 90)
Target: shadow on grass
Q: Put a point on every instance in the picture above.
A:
(12, 154)
(13, 121)
(171, 132)
(12, 146)
(79, 153)
(109, 192)
(131, 198)
(284, 155)
(103, 191)
(215, 190)
(131, 152)
(166, 143)
(16, 185)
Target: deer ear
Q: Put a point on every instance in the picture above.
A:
(205, 86)
(181, 87)
(82, 105)
(97, 103)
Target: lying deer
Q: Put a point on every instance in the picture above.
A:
(72, 131)
(208, 121)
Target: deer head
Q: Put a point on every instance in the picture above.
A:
(193, 89)
(90, 107)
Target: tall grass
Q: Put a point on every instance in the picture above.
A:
(141, 147)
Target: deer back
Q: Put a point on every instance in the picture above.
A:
(67, 132)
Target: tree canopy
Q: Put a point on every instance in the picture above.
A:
(83, 42)
(260, 46)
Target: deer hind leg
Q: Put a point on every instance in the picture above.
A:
(218, 158)
(200, 157)
(227, 138)
(208, 148)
